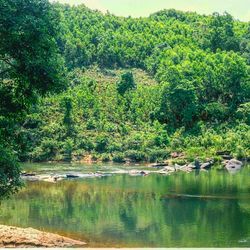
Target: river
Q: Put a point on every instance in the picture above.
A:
(197, 209)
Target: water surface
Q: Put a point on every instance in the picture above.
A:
(200, 209)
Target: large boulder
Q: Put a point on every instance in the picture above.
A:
(233, 164)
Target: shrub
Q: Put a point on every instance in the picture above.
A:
(157, 155)
(126, 83)
(118, 157)
(102, 142)
(135, 155)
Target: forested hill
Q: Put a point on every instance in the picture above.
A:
(90, 37)
(141, 88)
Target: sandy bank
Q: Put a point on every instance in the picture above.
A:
(29, 237)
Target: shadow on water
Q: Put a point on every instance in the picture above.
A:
(205, 209)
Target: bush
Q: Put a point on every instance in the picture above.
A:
(106, 157)
(216, 111)
(68, 149)
(46, 151)
(243, 112)
(102, 142)
(135, 155)
(157, 155)
(118, 157)
(126, 83)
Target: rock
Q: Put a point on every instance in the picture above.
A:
(138, 173)
(227, 157)
(169, 169)
(120, 171)
(30, 238)
(197, 164)
(207, 165)
(176, 155)
(233, 164)
(158, 165)
(191, 166)
(30, 178)
(223, 153)
(144, 173)
(98, 174)
(52, 179)
(72, 176)
(177, 167)
(187, 168)
(134, 173)
(43, 177)
(27, 174)
(164, 172)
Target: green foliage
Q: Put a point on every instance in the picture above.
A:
(68, 119)
(137, 88)
(243, 112)
(119, 157)
(9, 172)
(68, 148)
(179, 105)
(126, 83)
(221, 34)
(30, 65)
(29, 58)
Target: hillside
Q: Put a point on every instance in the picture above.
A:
(139, 89)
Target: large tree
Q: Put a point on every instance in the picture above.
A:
(29, 65)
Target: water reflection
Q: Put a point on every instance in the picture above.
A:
(212, 210)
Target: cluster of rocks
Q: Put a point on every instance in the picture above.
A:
(231, 165)
(53, 178)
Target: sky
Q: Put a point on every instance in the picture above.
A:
(240, 9)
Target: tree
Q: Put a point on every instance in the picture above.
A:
(29, 65)
(126, 83)
(221, 35)
(179, 105)
(68, 117)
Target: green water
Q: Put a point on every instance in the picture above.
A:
(129, 211)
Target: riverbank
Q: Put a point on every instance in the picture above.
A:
(29, 237)
(59, 172)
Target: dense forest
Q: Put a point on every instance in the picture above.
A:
(78, 84)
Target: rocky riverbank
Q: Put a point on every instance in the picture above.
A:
(165, 168)
(29, 237)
